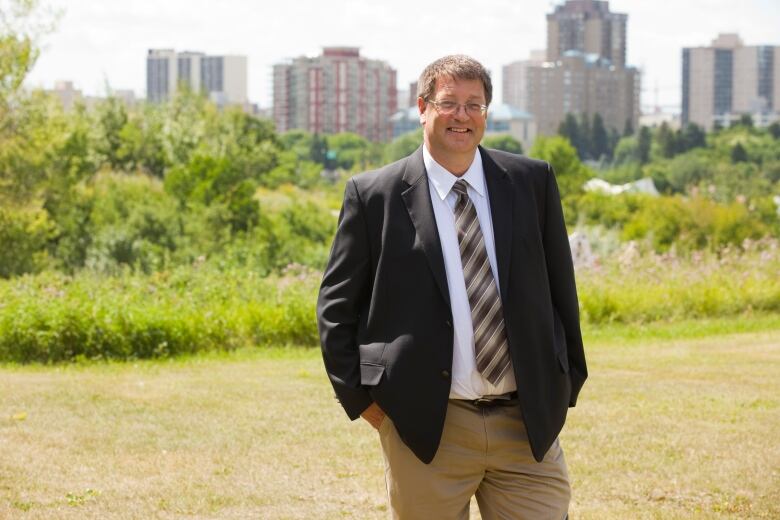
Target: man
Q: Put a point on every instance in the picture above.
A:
(448, 315)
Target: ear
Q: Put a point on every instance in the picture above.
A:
(421, 105)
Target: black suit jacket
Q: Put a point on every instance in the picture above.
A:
(384, 313)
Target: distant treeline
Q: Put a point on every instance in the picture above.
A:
(163, 185)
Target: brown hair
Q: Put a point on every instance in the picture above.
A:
(457, 66)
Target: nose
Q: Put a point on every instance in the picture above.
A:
(458, 110)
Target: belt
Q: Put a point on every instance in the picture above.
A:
(489, 401)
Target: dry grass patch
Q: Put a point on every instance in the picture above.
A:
(679, 430)
(663, 430)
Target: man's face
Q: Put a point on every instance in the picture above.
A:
(456, 134)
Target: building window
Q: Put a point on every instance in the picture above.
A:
(723, 81)
(766, 67)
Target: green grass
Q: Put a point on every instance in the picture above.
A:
(665, 428)
(622, 333)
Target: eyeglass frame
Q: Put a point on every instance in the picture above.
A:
(482, 108)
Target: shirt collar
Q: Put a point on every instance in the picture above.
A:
(443, 180)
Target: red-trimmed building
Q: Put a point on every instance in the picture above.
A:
(338, 91)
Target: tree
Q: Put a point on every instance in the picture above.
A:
(774, 129)
(21, 24)
(318, 149)
(626, 151)
(686, 170)
(613, 138)
(570, 173)
(598, 138)
(352, 150)
(503, 142)
(111, 120)
(403, 145)
(644, 142)
(142, 146)
(23, 237)
(628, 128)
(298, 141)
(667, 140)
(585, 144)
(570, 129)
(693, 136)
(738, 153)
(746, 120)
(17, 57)
(21, 152)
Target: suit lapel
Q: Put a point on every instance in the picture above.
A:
(417, 198)
(500, 191)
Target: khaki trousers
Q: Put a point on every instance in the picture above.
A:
(483, 452)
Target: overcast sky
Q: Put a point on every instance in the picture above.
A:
(98, 42)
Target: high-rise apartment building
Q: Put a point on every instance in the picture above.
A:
(589, 27)
(338, 91)
(222, 78)
(728, 79)
(584, 72)
(162, 76)
(583, 84)
(515, 80)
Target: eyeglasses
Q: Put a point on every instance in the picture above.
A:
(450, 107)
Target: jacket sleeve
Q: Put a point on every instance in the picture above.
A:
(343, 295)
(560, 271)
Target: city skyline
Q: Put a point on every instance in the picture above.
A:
(95, 44)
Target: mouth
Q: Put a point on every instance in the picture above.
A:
(458, 130)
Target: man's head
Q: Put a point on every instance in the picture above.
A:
(453, 94)
(457, 66)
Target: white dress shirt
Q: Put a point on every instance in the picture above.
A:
(467, 382)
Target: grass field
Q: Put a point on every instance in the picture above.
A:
(664, 429)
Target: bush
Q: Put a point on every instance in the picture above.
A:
(503, 142)
(53, 318)
(570, 173)
(24, 233)
(133, 222)
(403, 145)
(687, 224)
(636, 288)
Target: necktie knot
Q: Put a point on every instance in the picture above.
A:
(460, 188)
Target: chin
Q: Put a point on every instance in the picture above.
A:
(463, 147)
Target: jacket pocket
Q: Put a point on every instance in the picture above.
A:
(371, 373)
(371, 365)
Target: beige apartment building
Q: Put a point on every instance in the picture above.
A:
(222, 78)
(582, 84)
(728, 79)
(587, 26)
(514, 79)
(582, 71)
(338, 91)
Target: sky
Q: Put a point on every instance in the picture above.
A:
(99, 43)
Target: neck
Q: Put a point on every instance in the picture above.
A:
(456, 164)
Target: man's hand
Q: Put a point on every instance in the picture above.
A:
(374, 415)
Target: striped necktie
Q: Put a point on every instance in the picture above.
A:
(490, 343)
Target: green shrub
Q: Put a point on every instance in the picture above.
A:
(635, 288)
(54, 318)
(51, 317)
(24, 234)
(684, 223)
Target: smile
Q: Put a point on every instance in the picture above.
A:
(459, 130)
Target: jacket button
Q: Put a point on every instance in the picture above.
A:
(448, 323)
(445, 374)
